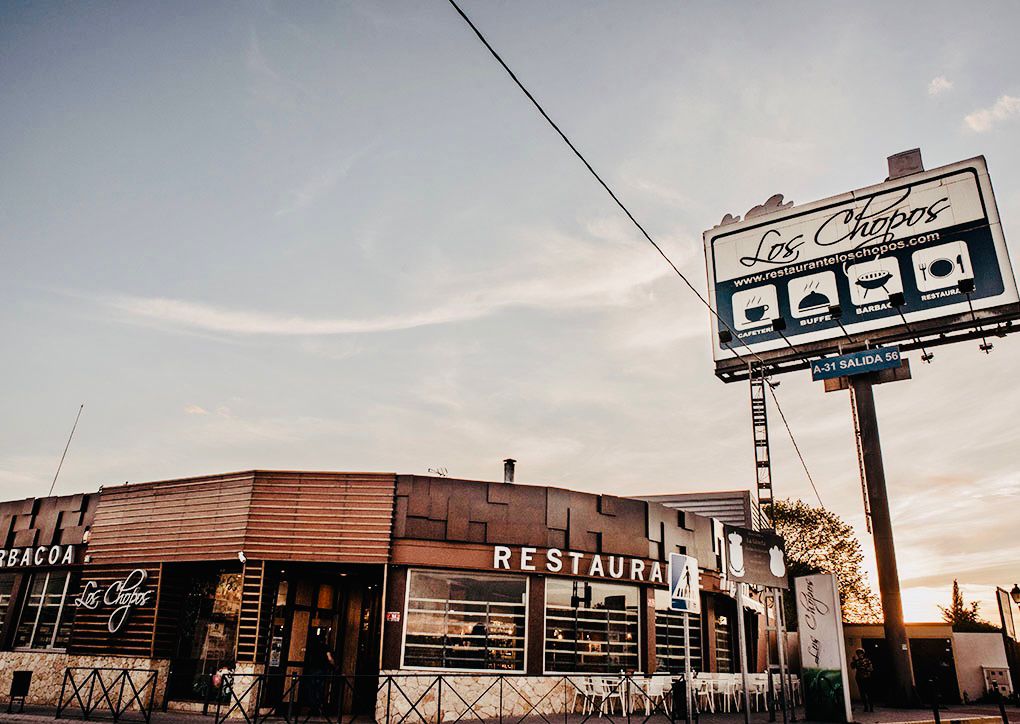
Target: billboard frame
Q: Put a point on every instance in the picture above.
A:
(733, 361)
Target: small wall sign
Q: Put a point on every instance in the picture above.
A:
(124, 596)
(856, 363)
(393, 616)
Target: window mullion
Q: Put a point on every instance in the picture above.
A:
(38, 610)
(60, 610)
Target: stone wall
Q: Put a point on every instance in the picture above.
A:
(516, 695)
(48, 669)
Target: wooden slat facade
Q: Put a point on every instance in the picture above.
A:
(197, 519)
(90, 634)
(272, 516)
(322, 517)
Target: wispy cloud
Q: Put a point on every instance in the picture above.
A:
(939, 85)
(571, 273)
(195, 410)
(317, 187)
(267, 83)
(1003, 109)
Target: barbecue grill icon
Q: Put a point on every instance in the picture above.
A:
(873, 281)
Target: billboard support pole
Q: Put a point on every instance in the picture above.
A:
(863, 400)
(688, 684)
(742, 638)
(780, 649)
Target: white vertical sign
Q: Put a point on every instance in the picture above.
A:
(822, 651)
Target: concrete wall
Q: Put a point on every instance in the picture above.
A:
(972, 651)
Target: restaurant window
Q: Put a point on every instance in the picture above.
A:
(207, 629)
(590, 626)
(669, 636)
(6, 587)
(465, 621)
(46, 614)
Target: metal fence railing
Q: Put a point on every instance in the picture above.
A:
(106, 693)
(448, 698)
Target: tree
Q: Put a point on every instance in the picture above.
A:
(819, 541)
(964, 616)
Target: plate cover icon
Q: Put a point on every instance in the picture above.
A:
(755, 308)
(871, 282)
(942, 266)
(812, 295)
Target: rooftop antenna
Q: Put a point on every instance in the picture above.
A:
(61, 463)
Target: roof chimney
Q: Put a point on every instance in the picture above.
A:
(508, 470)
(905, 163)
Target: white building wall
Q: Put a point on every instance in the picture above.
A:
(972, 651)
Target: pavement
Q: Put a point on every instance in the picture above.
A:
(960, 714)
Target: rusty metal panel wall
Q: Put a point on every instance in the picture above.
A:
(55, 520)
(449, 522)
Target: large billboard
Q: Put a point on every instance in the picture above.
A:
(774, 278)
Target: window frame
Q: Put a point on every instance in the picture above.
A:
(695, 623)
(732, 661)
(479, 574)
(6, 606)
(64, 607)
(545, 623)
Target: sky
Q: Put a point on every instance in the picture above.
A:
(334, 236)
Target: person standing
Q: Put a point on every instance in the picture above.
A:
(863, 671)
(320, 666)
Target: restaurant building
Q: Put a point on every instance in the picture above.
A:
(395, 573)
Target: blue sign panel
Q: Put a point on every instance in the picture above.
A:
(684, 584)
(856, 363)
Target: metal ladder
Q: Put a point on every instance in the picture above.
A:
(762, 464)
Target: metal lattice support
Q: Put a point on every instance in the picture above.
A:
(762, 464)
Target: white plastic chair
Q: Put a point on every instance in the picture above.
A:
(756, 692)
(655, 690)
(726, 690)
(581, 689)
(606, 690)
(704, 689)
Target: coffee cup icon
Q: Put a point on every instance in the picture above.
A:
(756, 313)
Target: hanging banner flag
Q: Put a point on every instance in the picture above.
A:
(684, 585)
(822, 654)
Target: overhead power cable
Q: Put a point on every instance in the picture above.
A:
(796, 447)
(623, 208)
